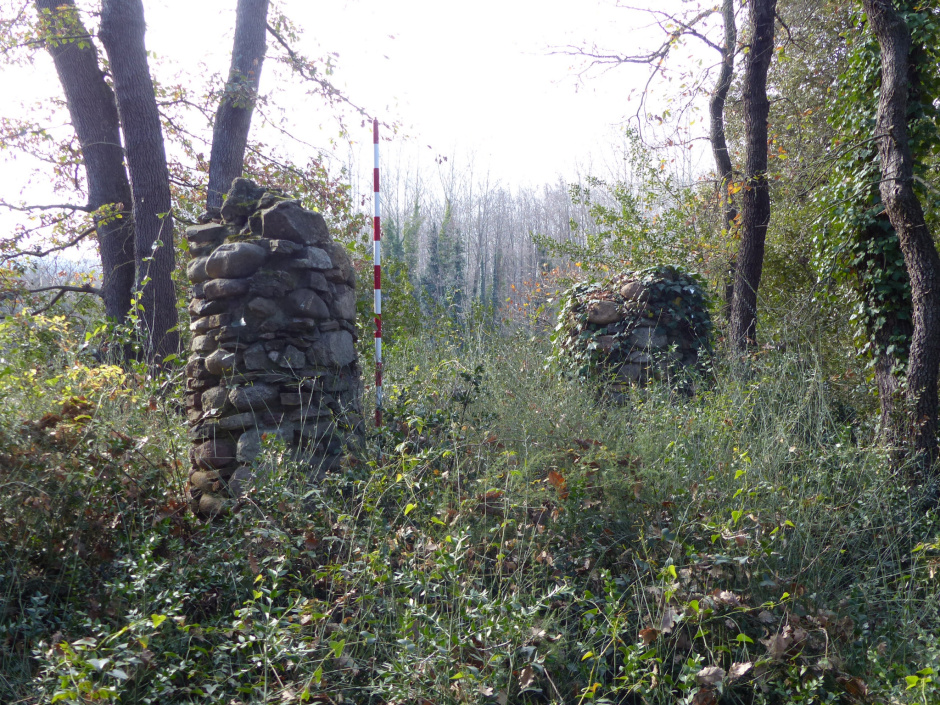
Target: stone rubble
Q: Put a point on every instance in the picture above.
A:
(273, 349)
(639, 326)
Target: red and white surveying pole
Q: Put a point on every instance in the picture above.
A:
(377, 258)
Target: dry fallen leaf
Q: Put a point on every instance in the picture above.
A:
(705, 696)
(739, 669)
(557, 480)
(778, 644)
(648, 636)
(710, 675)
(668, 621)
(856, 687)
(526, 677)
(726, 597)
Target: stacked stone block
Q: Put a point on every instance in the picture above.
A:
(273, 342)
(636, 326)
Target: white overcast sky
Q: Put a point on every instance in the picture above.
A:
(462, 78)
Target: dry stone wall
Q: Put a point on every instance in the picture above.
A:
(273, 342)
(635, 327)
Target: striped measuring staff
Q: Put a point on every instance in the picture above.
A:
(377, 258)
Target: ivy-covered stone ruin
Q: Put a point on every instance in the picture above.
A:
(273, 342)
(635, 327)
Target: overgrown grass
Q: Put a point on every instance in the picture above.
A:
(511, 537)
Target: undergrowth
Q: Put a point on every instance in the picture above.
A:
(509, 537)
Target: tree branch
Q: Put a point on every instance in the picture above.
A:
(62, 291)
(42, 253)
(55, 206)
(299, 64)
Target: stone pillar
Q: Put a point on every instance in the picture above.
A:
(273, 350)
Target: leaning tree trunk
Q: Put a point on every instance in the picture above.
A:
(755, 200)
(122, 33)
(95, 119)
(716, 111)
(907, 217)
(233, 119)
(891, 331)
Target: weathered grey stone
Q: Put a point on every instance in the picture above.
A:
(193, 400)
(205, 481)
(306, 326)
(263, 307)
(342, 261)
(307, 303)
(203, 344)
(214, 454)
(215, 398)
(605, 342)
(237, 422)
(270, 197)
(281, 248)
(344, 303)
(254, 398)
(292, 358)
(196, 367)
(208, 233)
(289, 220)
(630, 372)
(272, 284)
(249, 446)
(273, 324)
(249, 443)
(334, 349)
(196, 270)
(208, 428)
(220, 362)
(316, 258)
(201, 307)
(226, 288)
(648, 338)
(200, 325)
(241, 200)
(317, 282)
(211, 506)
(635, 293)
(234, 260)
(640, 357)
(240, 481)
(603, 312)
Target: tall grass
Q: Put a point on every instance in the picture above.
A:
(510, 537)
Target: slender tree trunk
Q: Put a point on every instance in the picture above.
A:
(907, 217)
(890, 337)
(233, 119)
(95, 119)
(122, 33)
(756, 194)
(716, 111)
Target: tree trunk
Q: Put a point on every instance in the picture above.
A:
(756, 194)
(716, 110)
(891, 337)
(95, 119)
(122, 33)
(233, 119)
(907, 217)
